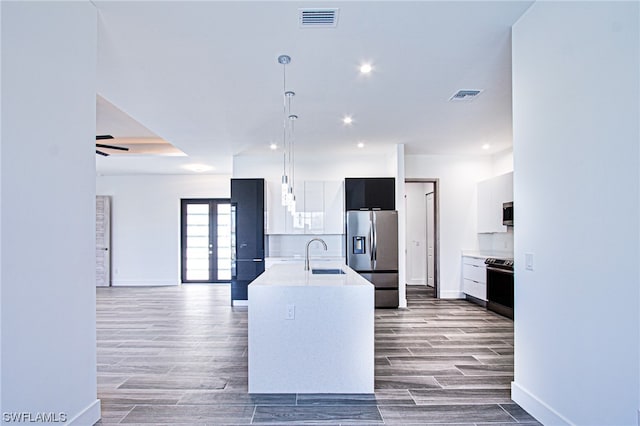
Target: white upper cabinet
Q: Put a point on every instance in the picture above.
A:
(313, 211)
(294, 224)
(492, 193)
(334, 207)
(319, 209)
(276, 219)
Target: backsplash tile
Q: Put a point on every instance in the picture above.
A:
(294, 245)
(496, 242)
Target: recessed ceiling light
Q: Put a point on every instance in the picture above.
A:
(486, 146)
(365, 68)
(273, 146)
(347, 119)
(360, 144)
(198, 168)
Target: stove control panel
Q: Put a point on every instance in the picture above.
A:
(505, 263)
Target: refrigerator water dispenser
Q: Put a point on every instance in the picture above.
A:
(359, 244)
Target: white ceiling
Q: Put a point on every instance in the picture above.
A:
(204, 76)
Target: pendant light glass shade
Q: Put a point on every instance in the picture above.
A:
(285, 190)
(292, 205)
(288, 200)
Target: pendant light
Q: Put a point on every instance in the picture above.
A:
(288, 198)
(284, 60)
(292, 200)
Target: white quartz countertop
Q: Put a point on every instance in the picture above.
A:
(487, 254)
(297, 258)
(295, 275)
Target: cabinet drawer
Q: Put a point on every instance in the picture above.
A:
(473, 261)
(474, 272)
(475, 289)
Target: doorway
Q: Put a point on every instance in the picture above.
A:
(421, 202)
(206, 240)
(103, 241)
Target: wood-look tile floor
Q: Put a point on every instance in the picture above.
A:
(178, 356)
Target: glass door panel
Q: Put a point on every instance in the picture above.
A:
(206, 240)
(223, 236)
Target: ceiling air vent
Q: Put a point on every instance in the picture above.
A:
(318, 18)
(465, 95)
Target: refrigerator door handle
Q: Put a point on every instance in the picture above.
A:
(375, 240)
(370, 245)
(371, 239)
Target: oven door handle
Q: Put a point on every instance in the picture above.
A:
(502, 271)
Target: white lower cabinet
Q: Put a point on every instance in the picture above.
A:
(474, 277)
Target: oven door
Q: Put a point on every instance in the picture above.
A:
(500, 291)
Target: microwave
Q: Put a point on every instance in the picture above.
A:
(507, 214)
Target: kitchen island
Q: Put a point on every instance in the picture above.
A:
(311, 332)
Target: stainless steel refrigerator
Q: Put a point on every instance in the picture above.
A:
(372, 251)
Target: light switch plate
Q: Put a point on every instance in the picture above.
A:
(291, 312)
(528, 261)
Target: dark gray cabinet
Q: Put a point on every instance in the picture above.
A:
(248, 200)
(370, 193)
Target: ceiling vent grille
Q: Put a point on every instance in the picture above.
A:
(465, 95)
(318, 18)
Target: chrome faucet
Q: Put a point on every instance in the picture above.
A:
(306, 256)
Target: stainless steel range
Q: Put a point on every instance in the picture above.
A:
(500, 286)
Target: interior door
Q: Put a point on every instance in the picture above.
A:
(431, 242)
(416, 241)
(103, 241)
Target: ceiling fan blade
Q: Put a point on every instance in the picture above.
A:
(120, 148)
(104, 154)
(103, 137)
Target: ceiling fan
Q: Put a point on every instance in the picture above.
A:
(101, 145)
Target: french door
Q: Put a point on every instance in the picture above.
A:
(206, 240)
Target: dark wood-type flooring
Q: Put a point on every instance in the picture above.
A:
(178, 356)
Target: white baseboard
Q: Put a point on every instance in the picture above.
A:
(537, 408)
(88, 416)
(142, 283)
(239, 303)
(451, 294)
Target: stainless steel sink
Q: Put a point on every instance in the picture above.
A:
(327, 271)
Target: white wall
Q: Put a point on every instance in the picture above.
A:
(576, 154)
(146, 223)
(398, 164)
(458, 177)
(1, 410)
(48, 210)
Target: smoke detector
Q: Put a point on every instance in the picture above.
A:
(465, 95)
(318, 18)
